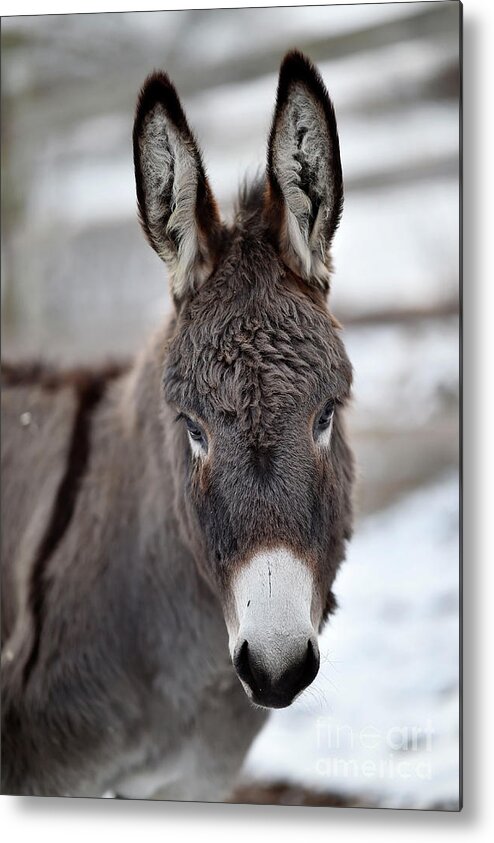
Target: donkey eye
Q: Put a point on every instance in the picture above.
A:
(323, 420)
(195, 432)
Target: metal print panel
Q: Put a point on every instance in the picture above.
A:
(230, 455)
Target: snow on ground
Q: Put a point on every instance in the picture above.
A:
(381, 720)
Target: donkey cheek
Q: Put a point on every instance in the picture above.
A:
(201, 477)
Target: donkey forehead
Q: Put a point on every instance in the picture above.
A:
(254, 358)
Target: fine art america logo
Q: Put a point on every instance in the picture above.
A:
(396, 752)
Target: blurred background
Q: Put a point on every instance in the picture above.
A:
(380, 726)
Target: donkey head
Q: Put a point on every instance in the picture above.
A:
(255, 375)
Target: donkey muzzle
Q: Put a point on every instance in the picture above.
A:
(273, 641)
(280, 690)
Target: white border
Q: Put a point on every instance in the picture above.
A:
(54, 820)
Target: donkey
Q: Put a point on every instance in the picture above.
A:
(176, 526)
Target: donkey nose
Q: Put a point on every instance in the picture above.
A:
(281, 690)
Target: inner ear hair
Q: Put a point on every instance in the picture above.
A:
(305, 186)
(176, 206)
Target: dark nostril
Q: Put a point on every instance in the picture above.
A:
(249, 670)
(242, 664)
(300, 675)
(311, 666)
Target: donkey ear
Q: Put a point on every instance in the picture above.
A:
(176, 206)
(304, 186)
